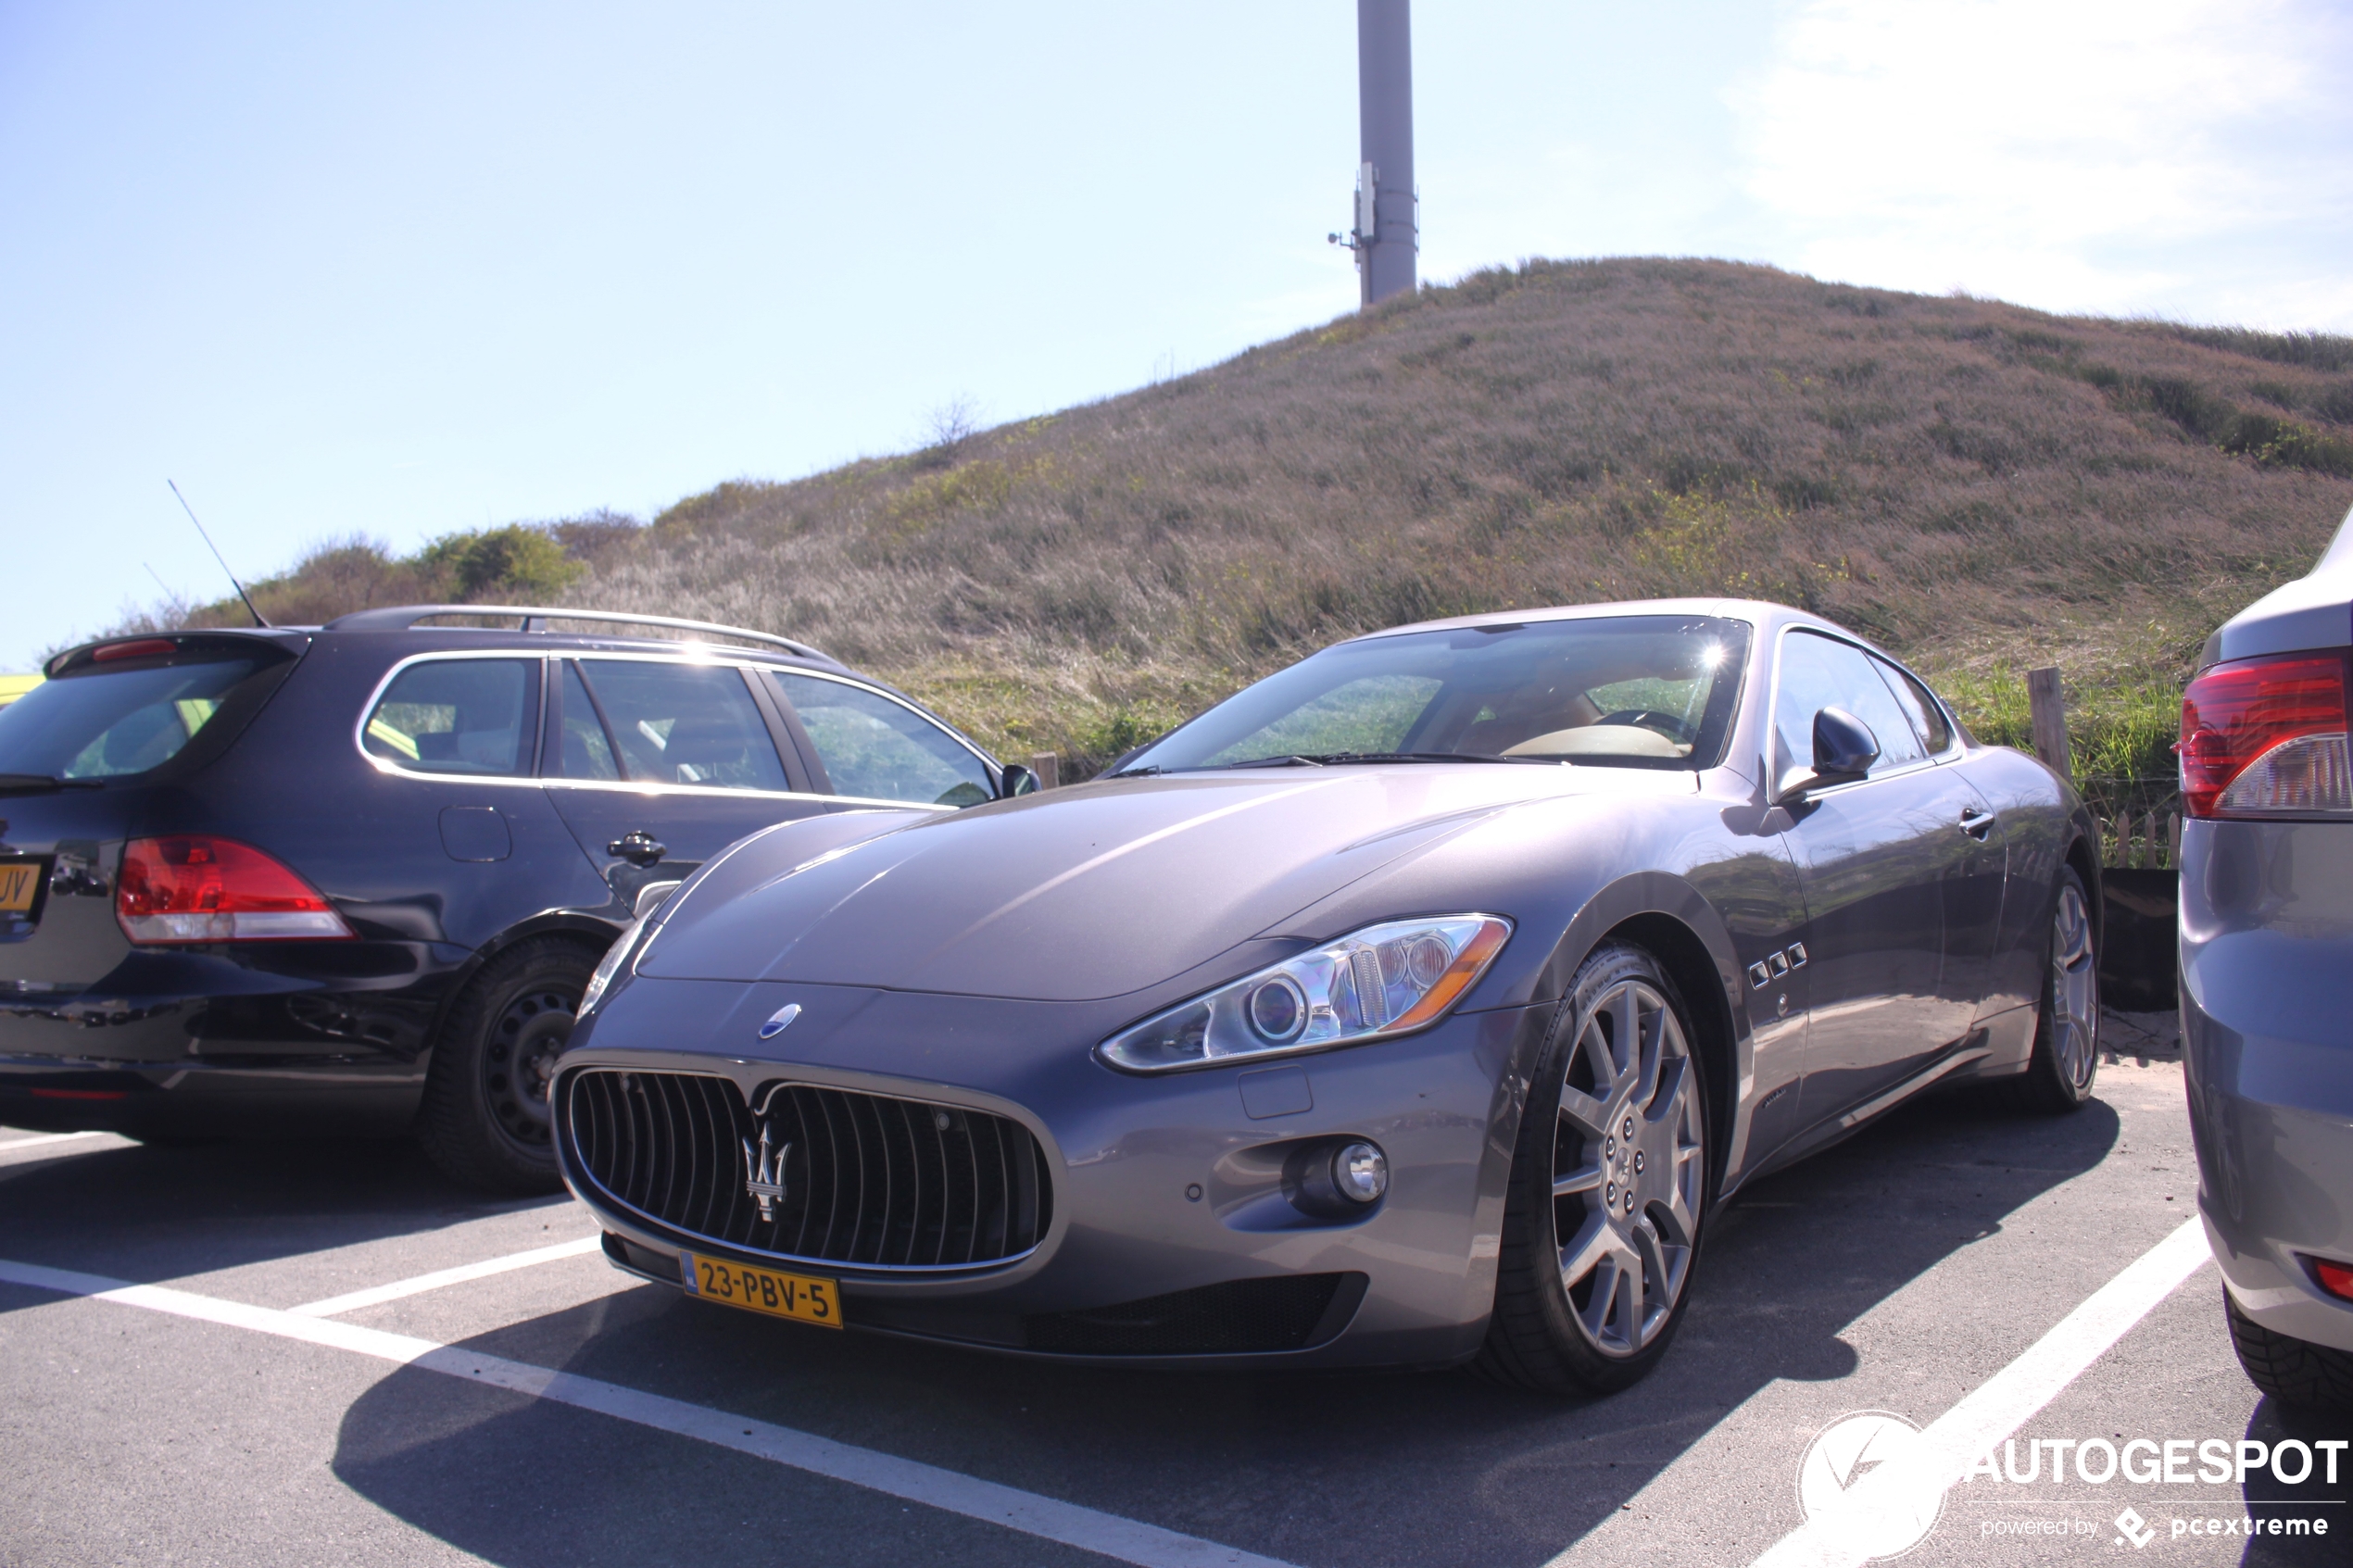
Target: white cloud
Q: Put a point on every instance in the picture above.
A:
(2183, 156)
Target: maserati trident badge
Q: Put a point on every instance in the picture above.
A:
(764, 1178)
(780, 1020)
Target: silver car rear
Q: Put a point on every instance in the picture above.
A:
(2266, 974)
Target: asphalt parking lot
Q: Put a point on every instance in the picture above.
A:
(327, 1354)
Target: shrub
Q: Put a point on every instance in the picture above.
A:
(496, 563)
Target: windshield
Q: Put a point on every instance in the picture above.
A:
(1634, 691)
(107, 723)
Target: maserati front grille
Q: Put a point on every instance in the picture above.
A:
(822, 1175)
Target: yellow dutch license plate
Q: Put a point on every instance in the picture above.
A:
(18, 881)
(797, 1296)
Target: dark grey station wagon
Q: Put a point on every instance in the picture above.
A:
(355, 877)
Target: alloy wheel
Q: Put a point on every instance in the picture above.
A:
(2075, 990)
(1627, 1167)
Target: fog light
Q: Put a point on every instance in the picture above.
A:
(2336, 1278)
(1361, 1173)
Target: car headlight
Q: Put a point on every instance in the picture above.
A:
(622, 955)
(1385, 980)
(654, 901)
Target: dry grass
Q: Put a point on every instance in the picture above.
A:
(1981, 487)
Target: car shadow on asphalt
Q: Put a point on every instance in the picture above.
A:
(2318, 1497)
(149, 1213)
(1409, 1467)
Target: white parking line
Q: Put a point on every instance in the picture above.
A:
(1047, 1518)
(1995, 1409)
(374, 1295)
(50, 1138)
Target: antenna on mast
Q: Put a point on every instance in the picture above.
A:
(218, 556)
(1388, 231)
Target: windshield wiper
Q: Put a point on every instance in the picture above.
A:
(1341, 758)
(43, 784)
(1332, 758)
(1143, 772)
(1427, 756)
(1328, 759)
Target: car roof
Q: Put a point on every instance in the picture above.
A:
(531, 633)
(1764, 615)
(534, 620)
(2309, 612)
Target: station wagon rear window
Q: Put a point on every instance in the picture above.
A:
(104, 723)
(671, 722)
(458, 716)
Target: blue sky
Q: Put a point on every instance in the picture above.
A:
(401, 270)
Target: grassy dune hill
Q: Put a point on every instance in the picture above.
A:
(1981, 487)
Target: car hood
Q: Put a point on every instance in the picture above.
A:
(1083, 893)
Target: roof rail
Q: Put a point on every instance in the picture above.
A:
(399, 618)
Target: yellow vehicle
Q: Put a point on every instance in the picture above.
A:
(15, 686)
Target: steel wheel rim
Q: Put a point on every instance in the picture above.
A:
(1628, 1169)
(2075, 990)
(519, 1062)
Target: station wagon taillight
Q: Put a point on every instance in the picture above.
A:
(2265, 737)
(198, 888)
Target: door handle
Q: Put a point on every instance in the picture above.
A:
(639, 847)
(1977, 824)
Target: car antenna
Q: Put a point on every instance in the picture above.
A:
(219, 557)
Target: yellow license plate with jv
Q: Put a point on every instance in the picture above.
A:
(18, 881)
(797, 1297)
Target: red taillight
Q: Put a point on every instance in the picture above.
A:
(203, 889)
(2265, 737)
(2336, 1278)
(146, 647)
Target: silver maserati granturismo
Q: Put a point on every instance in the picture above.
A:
(1415, 1006)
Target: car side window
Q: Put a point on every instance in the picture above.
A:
(1927, 717)
(458, 716)
(586, 752)
(1818, 673)
(880, 749)
(677, 722)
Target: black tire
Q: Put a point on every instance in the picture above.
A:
(2061, 1072)
(2294, 1372)
(484, 1118)
(1567, 1327)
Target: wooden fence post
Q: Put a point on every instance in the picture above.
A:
(1048, 766)
(2047, 702)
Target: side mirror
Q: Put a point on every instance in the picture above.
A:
(1016, 780)
(1844, 749)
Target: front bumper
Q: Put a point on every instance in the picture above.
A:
(2267, 948)
(1126, 1153)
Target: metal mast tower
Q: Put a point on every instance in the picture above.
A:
(1388, 210)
